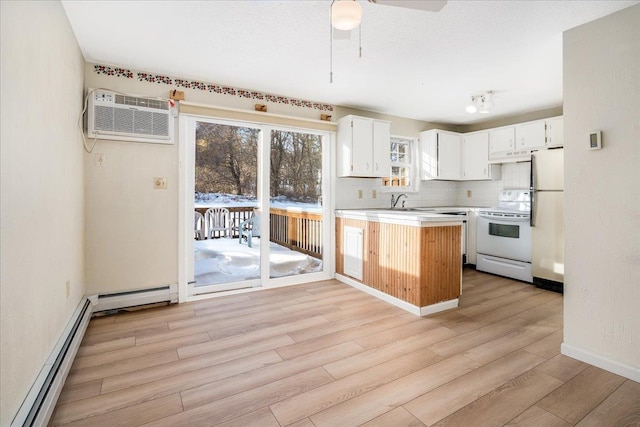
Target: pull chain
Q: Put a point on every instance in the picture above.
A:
(360, 40)
(331, 43)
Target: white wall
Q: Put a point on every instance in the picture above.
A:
(42, 191)
(132, 238)
(602, 192)
(132, 229)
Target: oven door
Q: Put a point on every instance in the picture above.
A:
(504, 237)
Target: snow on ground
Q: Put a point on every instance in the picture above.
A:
(210, 200)
(225, 260)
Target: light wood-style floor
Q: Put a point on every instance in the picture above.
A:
(325, 354)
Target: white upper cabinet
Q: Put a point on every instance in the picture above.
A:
(530, 135)
(515, 143)
(555, 132)
(449, 155)
(363, 147)
(440, 155)
(475, 157)
(501, 140)
(381, 148)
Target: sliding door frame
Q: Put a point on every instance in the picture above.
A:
(186, 185)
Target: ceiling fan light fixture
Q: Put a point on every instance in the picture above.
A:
(345, 14)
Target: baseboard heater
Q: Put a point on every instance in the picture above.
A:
(37, 408)
(115, 301)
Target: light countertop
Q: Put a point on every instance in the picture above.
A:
(416, 218)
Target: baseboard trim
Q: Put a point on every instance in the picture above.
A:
(413, 309)
(602, 362)
(38, 406)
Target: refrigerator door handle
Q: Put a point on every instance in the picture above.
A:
(532, 217)
(532, 191)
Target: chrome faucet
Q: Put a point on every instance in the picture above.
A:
(395, 200)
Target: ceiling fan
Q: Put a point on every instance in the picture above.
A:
(347, 14)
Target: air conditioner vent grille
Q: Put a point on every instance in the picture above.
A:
(160, 124)
(142, 102)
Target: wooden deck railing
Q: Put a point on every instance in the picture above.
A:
(299, 231)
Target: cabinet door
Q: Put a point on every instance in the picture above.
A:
(530, 135)
(449, 156)
(381, 149)
(475, 156)
(361, 157)
(555, 132)
(353, 252)
(501, 139)
(428, 155)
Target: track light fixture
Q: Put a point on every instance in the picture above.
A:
(481, 103)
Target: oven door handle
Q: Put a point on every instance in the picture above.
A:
(498, 219)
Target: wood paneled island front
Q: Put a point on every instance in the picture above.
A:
(410, 259)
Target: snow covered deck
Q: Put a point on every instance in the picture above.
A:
(224, 260)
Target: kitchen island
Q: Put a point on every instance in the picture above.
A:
(411, 259)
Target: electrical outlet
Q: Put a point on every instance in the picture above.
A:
(468, 193)
(374, 194)
(68, 287)
(160, 183)
(359, 194)
(100, 158)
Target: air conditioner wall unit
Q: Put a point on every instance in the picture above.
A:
(117, 116)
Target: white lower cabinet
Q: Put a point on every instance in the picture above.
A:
(472, 230)
(353, 252)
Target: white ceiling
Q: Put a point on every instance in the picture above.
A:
(415, 64)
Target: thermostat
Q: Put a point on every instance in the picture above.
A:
(595, 140)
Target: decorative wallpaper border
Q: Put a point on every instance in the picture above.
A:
(223, 90)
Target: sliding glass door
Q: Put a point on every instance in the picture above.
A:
(226, 172)
(253, 197)
(296, 205)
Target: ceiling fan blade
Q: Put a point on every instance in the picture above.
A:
(426, 5)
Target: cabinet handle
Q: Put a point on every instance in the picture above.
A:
(376, 166)
(367, 165)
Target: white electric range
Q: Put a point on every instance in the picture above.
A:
(504, 236)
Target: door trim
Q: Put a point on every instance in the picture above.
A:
(185, 203)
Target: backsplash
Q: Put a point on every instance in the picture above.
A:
(485, 193)
(433, 193)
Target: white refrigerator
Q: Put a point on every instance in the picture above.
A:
(547, 222)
